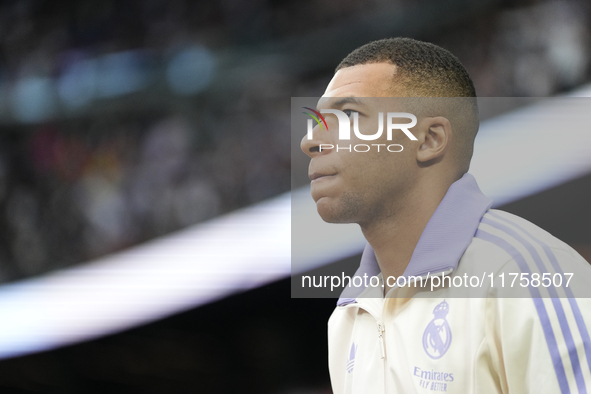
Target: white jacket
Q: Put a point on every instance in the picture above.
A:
(419, 340)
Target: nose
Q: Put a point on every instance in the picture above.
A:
(318, 145)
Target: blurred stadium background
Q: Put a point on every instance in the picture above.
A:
(122, 122)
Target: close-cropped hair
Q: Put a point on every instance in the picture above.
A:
(424, 70)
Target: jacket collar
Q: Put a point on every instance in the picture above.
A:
(444, 240)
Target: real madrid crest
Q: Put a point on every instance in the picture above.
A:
(437, 335)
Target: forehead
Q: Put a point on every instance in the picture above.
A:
(363, 80)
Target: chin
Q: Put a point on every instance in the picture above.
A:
(333, 211)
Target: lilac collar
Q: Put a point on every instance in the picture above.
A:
(444, 240)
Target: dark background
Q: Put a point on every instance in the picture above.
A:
(101, 148)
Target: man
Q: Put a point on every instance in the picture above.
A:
(424, 217)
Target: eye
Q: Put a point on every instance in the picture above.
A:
(349, 112)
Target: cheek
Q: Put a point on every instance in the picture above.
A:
(368, 127)
(383, 171)
(364, 170)
(374, 161)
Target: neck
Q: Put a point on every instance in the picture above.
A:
(395, 237)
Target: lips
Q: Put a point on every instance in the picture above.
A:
(319, 175)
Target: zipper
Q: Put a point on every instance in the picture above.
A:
(383, 349)
(381, 327)
(381, 339)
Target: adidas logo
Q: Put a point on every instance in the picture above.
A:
(351, 361)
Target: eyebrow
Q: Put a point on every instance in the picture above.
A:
(346, 100)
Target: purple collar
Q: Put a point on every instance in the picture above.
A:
(444, 240)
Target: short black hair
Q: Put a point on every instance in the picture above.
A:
(424, 68)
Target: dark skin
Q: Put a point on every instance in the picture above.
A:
(391, 196)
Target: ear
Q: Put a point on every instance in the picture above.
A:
(434, 141)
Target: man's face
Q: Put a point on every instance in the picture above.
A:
(359, 187)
